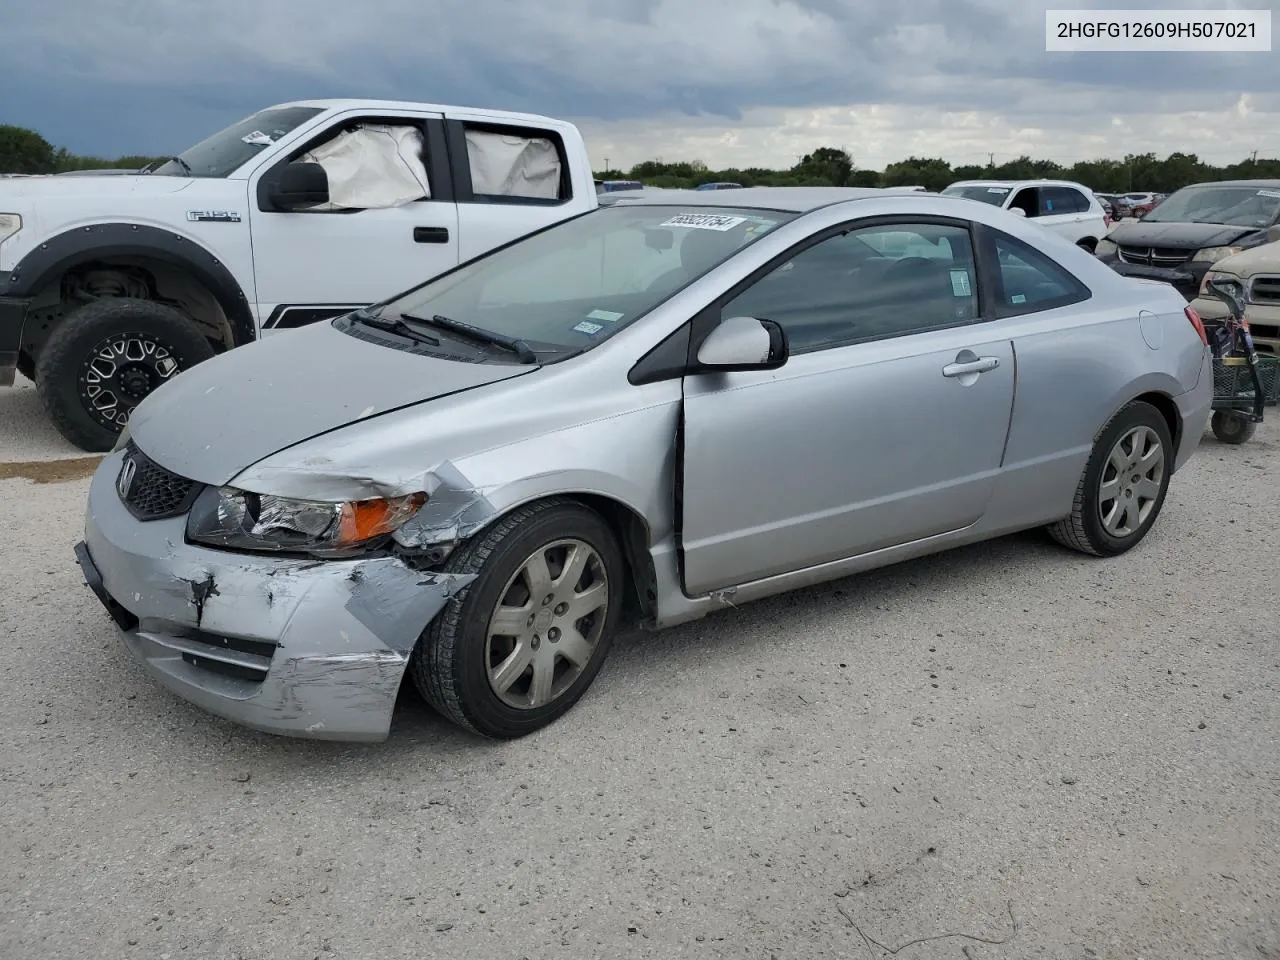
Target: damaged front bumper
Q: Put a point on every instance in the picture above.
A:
(302, 648)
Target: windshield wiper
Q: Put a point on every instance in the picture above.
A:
(395, 325)
(524, 353)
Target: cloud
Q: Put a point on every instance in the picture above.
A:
(729, 79)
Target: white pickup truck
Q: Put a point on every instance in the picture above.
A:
(111, 285)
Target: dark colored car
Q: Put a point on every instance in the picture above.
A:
(721, 185)
(1120, 206)
(1182, 237)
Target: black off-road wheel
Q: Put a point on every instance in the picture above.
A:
(105, 357)
(521, 645)
(1124, 484)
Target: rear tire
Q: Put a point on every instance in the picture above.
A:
(105, 357)
(1231, 428)
(1124, 484)
(508, 684)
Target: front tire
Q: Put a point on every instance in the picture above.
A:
(104, 357)
(520, 646)
(1124, 484)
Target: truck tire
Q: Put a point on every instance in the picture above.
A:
(104, 357)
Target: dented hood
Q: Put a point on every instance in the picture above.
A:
(211, 422)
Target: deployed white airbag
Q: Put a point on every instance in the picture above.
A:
(373, 167)
(512, 166)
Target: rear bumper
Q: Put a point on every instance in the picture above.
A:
(1195, 407)
(13, 312)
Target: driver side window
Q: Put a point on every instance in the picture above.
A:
(882, 281)
(371, 166)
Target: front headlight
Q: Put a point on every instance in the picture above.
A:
(1214, 254)
(1228, 279)
(1105, 248)
(238, 519)
(10, 223)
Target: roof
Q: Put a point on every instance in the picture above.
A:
(1273, 184)
(375, 105)
(791, 199)
(1040, 182)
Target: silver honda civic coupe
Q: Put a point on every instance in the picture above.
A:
(637, 416)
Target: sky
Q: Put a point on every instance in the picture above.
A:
(727, 82)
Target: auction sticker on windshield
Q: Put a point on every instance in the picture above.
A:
(703, 221)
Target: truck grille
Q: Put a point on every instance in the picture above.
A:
(148, 490)
(1155, 256)
(1265, 290)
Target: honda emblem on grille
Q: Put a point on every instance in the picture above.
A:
(124, 482)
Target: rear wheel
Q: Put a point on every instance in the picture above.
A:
(1124, 484)
(1230, 427)
(105, 357)
(522, 644)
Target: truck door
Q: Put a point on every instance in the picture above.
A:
(373, 238)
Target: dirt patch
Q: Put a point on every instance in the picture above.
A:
(49, 471)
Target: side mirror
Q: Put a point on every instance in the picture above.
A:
(297, 186)
(1017, 211)
(744, 343)
(1273, 233)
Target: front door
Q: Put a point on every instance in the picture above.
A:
(887, 425)
(317, 263)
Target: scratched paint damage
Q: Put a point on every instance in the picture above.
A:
(337, 634)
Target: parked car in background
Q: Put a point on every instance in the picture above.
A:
(1119, 205)
(1140, 204)
(1193, 229)
(1068, 209)
(613, 186)
(1107, 209)
(1255, 275)
(723, 185)
(110, 286)
(660, 409)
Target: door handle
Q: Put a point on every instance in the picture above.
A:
(430, 234)
(962, 368)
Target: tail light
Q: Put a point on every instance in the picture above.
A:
(1198, 324)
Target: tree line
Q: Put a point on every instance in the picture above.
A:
(26, 151)
(833, 167)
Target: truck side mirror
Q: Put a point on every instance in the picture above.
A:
(297, 186)
(1273, 233)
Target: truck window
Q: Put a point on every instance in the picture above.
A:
(511, 165)
(372, 166)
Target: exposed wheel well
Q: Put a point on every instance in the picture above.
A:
(1088, 243)
(1169, 410)
(125, 276)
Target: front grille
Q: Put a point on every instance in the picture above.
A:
(1155, 256)
(148, 490)
(1265, 290)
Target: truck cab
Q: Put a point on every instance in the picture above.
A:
(109, 286)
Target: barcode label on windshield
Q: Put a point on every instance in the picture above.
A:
(703, 221)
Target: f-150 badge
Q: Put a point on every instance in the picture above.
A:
(213, 216)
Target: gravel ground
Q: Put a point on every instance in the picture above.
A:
(1013, 749)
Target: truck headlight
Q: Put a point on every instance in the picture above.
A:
(1105, 248)
(238, 519)
(1214, 254)
(10, 223)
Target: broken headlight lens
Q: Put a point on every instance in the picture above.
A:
(238, 519)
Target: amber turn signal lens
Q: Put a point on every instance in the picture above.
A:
(363, 520)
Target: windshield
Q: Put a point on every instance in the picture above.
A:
(1235, 206)
(576, 284)
(228, 150)
(993, 195)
